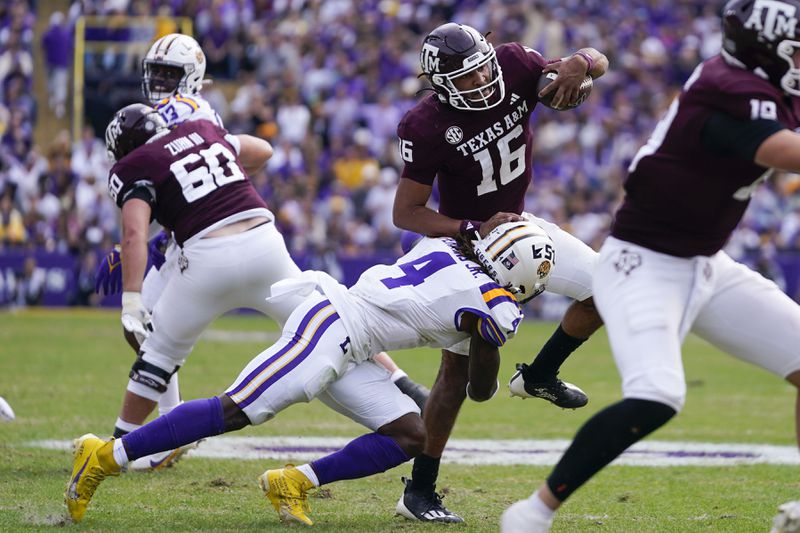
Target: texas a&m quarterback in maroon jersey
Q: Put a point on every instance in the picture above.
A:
(483, 159)
(662, 272)
(474, 137)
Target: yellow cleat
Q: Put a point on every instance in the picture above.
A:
(93, 461)
(286, 488)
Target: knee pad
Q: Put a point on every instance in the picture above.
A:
(150, 375)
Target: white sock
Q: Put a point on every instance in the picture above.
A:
(126, 426)
(540, 507)
(171, 398)
(309, 473)
(120, 455)
(397, 374)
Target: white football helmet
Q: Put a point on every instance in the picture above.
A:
(519, 256)
(175, 63)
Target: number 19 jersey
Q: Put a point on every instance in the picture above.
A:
(421, 299)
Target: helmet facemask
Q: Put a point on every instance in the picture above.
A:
(486, 96)
(452, 51)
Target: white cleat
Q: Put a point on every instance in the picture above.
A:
(521, 517)
(559, 393)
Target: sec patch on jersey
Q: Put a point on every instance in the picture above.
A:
(547, 100)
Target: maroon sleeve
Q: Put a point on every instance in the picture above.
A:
(527, 60)
(128, 175)
(420, 157)
(743, 97)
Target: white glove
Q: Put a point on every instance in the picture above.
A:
(135, 317)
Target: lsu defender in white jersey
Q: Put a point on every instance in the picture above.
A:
(420, 300)
(424, 299)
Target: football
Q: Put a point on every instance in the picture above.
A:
(6, 413)
(547, 100)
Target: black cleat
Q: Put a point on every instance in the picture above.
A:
(424, 506)
(560, 393)
(415, 391)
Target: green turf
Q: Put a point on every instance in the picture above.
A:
(64, 373)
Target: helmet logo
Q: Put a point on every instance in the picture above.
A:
(429, 59)
(453, 135)
(544, 269)
(113, 131)
(199, 56)
(772, 18)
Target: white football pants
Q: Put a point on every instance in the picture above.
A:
(649, 301)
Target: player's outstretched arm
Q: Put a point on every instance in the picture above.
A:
(411, 213)
(135, 224)
(254, 152)
(572, 71)
(780, 150)
(484, 362)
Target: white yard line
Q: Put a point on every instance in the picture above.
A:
(493, 452)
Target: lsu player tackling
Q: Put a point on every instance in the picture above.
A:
(445, 292)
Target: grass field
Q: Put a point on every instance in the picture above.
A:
(64, 372)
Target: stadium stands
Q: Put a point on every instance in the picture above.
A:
(326, 82)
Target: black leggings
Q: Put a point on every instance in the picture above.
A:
(602, 439)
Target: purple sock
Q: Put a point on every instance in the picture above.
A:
(185, 424)
(362, 457)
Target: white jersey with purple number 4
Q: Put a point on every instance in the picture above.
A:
(326, 347)
(421, 299)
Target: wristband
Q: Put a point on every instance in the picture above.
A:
(588, 59)
(470, 229)
(131, 299)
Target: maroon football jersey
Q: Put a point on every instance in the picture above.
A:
(682, 199)
(194, 175)
(482, 159)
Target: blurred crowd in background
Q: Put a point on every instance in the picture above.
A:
(327, 81)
